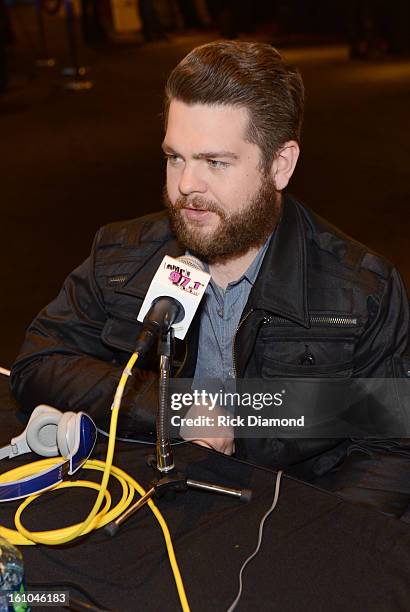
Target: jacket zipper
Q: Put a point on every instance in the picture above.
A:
(117, 279)
(333, 320)
(234, 339)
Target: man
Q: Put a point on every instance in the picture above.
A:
(290, 294)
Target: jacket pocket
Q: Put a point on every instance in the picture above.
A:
(121, 331)
(305, 357)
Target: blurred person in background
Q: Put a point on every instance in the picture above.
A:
(152, 27)
(93, 30)
(377, 28)
(6, 38)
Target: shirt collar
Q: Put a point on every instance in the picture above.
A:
(252, 272)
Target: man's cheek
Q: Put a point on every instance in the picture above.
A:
(172, 191)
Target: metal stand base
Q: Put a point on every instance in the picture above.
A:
(72, 71)
(167, 485)
(79, 85)
(168, 481)
(45, 62)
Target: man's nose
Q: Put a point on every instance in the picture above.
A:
(190, 181)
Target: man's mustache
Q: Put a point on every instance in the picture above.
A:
(198, 203)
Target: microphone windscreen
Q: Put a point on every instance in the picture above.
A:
(192, 261)
(182, 280)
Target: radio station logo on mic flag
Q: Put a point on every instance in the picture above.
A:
(183, 280)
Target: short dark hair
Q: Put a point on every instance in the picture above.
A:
(249, 75)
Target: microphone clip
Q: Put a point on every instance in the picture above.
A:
(166, 343)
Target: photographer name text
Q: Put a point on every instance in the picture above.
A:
(250, 420)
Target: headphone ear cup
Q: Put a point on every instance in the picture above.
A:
(66, 433)
(41, 433)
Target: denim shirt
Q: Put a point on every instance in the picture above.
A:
(219, 321)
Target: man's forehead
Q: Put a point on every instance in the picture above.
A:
(220, 124)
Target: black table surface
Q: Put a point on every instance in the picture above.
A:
(318, 553)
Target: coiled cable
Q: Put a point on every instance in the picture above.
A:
(98, 517)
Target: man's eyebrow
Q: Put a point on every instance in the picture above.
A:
(166, 148)
(206, 155)
(216, 154)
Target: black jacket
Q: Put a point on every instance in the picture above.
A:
(322, 305)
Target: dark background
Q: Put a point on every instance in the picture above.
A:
(72, 161)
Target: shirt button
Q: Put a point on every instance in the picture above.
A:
(231, 374)
(220, 312)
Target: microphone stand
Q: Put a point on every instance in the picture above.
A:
(167, 480)
(164, 454)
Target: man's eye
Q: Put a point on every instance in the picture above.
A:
(217, 163)
(172, 159)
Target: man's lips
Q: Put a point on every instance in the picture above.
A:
(196, 214)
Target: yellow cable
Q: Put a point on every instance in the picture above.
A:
(25, 537)
(97, 518)
(81, 528)
(129, 485)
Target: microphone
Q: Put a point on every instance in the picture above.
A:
(172, 299)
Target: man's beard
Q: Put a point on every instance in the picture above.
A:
(236, 234)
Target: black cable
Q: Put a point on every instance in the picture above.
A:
(70, 585)
(76, 606)
(135, 441)
(260, 538)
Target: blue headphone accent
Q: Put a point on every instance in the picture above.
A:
(49, 432)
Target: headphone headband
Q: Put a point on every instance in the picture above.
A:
(85, 436)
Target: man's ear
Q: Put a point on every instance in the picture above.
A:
(284, 164)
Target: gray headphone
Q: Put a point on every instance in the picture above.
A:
(49, 433)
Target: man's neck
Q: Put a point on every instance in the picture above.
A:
(230, 271)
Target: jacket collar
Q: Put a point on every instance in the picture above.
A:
(154, 251)
(281, 286)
